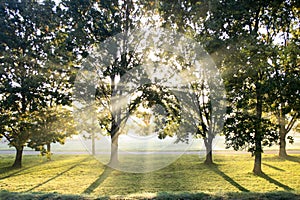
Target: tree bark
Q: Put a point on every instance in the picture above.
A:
(257, 160)
(282, 135)
(48, 152)
(208, 146)
(48, 148)
(93, 144)
(208, 160)
(114, 158)
(258, 135)
(282, 146)
(18, 158)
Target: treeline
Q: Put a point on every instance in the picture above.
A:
(254, 45)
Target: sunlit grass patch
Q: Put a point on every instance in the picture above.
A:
(83, 174)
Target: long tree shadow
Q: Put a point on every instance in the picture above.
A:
(271, 180)
(215, 168)
(107, 171)
(273, 167)
(59, 174)
(293, 159)
(18, 170)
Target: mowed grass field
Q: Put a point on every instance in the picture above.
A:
(83, 177)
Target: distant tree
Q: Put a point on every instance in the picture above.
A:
(284, 100)
(53, 125)
(210, 119)
(87, 123)
(189, 19)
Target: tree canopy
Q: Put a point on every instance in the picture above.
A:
(254, 44)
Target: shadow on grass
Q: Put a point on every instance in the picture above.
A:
(215, 168)
(18, 170)
(273, 167)
(293, 159)
(59, 174)
(107, 171)
(271, 180)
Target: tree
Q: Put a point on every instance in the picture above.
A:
(25, 78)
(189, 19)
(284, 103)
(16, 128)
(53, 125)
(208, 124)
(238, 28)
(92, 23)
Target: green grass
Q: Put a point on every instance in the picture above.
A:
(231, 177)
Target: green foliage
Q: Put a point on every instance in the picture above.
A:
(284, 95)
(248, 75)
(54, 125)
(40, 56)
(17, 127)
(30, 82)
(240, 128)
(166, 108)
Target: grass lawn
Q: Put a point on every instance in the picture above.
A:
(83, 175)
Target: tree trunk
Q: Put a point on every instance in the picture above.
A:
(48, 148)
(93, 144)
(18, 158)
(282, 135)
(282, 145)
(48, 153)
(208, 146)
(208, 160)
(258, 134)
(114, 160)
(257, 162)
(114, 135)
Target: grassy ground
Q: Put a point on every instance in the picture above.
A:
(231, 177)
